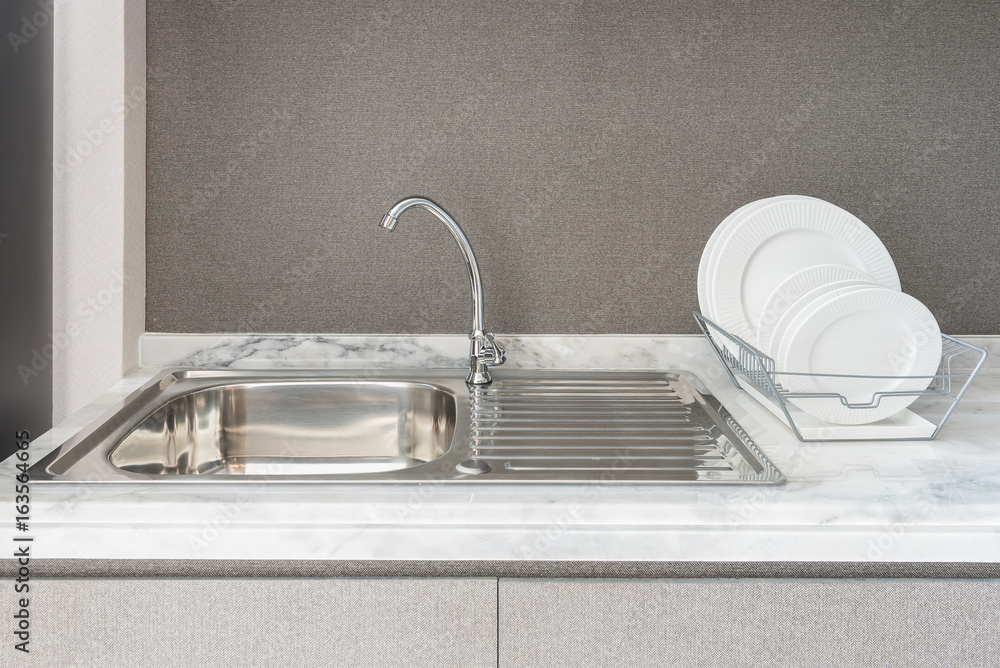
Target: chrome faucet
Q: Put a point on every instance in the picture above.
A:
(485, 351)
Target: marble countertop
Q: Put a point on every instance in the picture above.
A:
(924, 501)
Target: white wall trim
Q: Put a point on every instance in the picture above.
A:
(98, 254)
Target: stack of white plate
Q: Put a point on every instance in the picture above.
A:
(811, 286)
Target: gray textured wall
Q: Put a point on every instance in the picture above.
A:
(587, 148)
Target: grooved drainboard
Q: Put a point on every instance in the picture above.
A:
(611, 427)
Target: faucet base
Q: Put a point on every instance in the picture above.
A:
(478, 378)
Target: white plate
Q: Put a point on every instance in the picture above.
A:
(794, 287)
(803, 308)
(777, 335)
(869, 331)
(718, 233)
(706, 265)
(774, 242)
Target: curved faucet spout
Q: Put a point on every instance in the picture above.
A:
(485, 351)
(389, 222)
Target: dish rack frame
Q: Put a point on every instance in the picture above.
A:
(744, 361)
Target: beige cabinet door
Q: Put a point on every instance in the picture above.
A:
(405, 622)
(732, 623)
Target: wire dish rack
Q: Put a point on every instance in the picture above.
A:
(960, 362)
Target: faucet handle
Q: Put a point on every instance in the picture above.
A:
(486, 352)
(498, 351)
(489, 351)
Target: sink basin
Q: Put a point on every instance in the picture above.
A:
(419, 426)
(287, 428)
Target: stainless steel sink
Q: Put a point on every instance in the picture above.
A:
(412, 426)
(285, 427)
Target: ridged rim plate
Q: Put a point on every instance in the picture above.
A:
(783, 324)
(796, 287)
(865, 331)
(709, 254)
(779, 240)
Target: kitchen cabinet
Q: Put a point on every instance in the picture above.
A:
(342, 622)
(618, 623)
(512, 623)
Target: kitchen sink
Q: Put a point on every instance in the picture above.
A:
(286, 427)
(418, 426)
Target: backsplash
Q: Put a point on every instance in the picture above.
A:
(587, 149)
